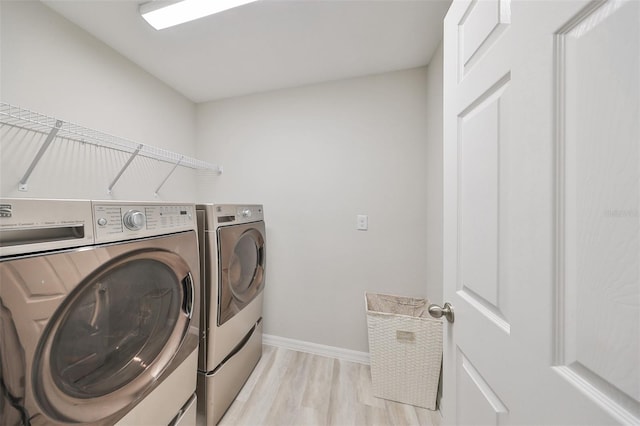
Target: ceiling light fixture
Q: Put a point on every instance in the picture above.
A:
(162, 14)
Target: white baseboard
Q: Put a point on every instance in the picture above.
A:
(316, 349)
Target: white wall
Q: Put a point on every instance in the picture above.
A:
(434, 178)
(316, 157)
(51, 66)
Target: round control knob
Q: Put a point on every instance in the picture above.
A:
(102, 221)
(246, 213)
(133, 220)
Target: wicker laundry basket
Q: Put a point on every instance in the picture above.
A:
(405, 344)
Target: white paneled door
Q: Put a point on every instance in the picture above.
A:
(541, 212)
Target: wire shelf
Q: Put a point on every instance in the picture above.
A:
(22, 118)
(29, 120)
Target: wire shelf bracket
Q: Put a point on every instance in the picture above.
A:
(155, 193)
(22, 185)
(134, 154)
(53, 128)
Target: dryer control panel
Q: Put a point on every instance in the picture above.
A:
(119, 221)
(233, 214)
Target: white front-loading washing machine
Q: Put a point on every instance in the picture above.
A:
(233, 261)
(98, 312)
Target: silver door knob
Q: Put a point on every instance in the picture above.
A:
(437, 312)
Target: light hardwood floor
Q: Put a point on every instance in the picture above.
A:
(296, 388)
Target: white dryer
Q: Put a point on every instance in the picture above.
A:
(233, 260)
(98, 312)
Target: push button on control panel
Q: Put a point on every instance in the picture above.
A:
(109, 220)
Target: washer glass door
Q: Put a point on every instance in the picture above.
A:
(114, 336)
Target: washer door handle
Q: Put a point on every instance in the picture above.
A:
(189, 295)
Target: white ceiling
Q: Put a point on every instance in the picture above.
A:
(268, 45)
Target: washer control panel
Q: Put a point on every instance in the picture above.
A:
(119, 221)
